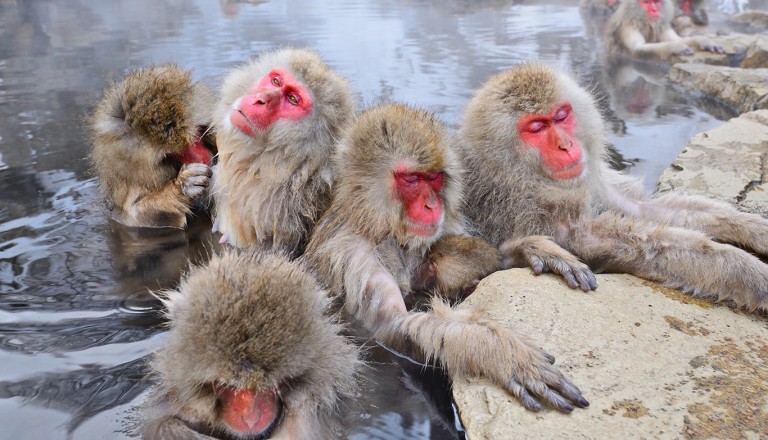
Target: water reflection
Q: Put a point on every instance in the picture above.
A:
(76, 316)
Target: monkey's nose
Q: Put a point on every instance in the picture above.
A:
(263, 97)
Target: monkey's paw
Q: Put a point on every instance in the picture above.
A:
(540, 382)
(682, 50)
(711, 47)
(193, 179)
(576, 274)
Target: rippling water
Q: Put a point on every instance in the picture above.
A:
(76, 319)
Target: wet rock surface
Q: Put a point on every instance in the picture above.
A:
(736, 48)
(653, 362)
(729, 163)
(750, 21)
(743, 89)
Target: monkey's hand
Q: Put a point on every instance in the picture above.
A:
(496, 352)
(193, 179)
(707, 45)
(543, 255)
(680, 49)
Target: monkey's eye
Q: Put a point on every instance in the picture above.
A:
(276, 81)
(561, 115)
(408, 178)
(535, 127)
(293, 98)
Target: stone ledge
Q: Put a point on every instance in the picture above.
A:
(729, 163)
(743, 89)
(654, 363)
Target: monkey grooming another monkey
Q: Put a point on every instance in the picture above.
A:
(252, 352)
(277, 122)
(398, 184)
(150, 150)
(541, 190)
(643, 29)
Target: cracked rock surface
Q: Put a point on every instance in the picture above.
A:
(729, 163)
(743, 89)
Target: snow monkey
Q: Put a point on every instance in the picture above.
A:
(150, 149)
(277, 123)
(643, 29)
(253, 351)
(399, 181)
(542, 191)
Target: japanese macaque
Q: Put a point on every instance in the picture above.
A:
(253, 351)
(643, 29)
(691, 17)
(151, 147)
(399, 181)
(277, 123)
(541, 190)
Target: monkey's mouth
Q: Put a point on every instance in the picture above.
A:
(250, 414)
(569, 172)
(423, 230)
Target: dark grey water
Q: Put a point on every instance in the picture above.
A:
(76, 321)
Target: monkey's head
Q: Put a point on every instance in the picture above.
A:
(252, 349)
(285, 98)
(533, 117)
(396, 168)
(657, 14)
(157, 112)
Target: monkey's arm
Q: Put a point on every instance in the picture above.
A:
(677, 257)
(464, 342)
(669, 44)
(542, 254)
(701, 43)
(170, 203)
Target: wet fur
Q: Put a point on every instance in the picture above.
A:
(140, 120)
(603, 217)
(271, 190)
(250, 320)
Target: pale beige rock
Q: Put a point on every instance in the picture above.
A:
(729, 163)
(743, 89)
(750, 21)
(757, 55)
(653, 362)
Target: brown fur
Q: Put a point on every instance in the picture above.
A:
(602, 217)
(271, 190)
(139, 121)
(366, 218)
(250, 320)
(629, 31)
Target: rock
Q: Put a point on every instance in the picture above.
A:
(729, 163)
(757, 55)
(750, 21)
(742, 89)
(653, 363)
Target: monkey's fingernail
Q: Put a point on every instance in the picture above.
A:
(582, 402)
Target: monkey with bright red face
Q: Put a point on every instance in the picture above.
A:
(643, 29)
(277, 121)
(546, 206)
(396, 197)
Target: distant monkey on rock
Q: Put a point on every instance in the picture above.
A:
(150, 146)
(254, 351)
(541, 190)
(276, 125)
(397, 192)
(643, 29)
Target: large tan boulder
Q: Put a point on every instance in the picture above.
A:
(654, 363)
(729, 162)
(743, 89)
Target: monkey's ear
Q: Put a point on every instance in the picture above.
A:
(114, 124)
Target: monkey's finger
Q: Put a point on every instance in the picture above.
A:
(194, 191)
(564, 387)
(199, 169)
(523, 396)
(549, 397)
(537, 265)
(587, 280)
(197, 180)
(571, 280)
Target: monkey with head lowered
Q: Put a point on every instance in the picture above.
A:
(643, 29)
(253, 351)
(276, 125)
(151, 151)
(541, 190)
(398, 185)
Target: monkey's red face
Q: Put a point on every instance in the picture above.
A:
(196, 152)
(420, 195)
(552, 136)
(278, 95)
(652, 8)
(247, 412)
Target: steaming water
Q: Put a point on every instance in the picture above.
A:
(76, 319)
